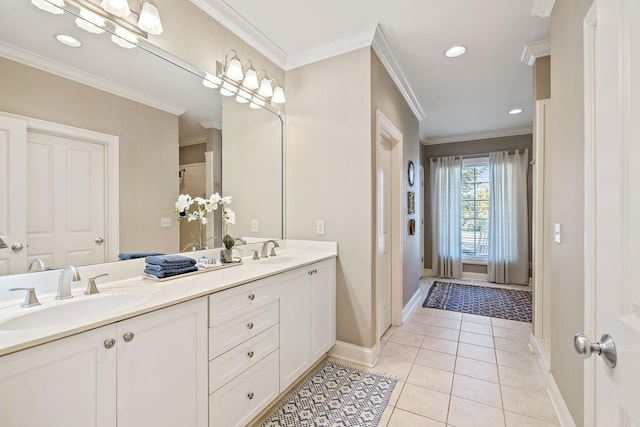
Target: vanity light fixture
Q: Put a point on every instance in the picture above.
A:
(233, 66)
(68, 40)
(149, 19)
(515, 111)
(240, 78)
(51, 6)
(124, 38)
(455, 51)
(90, 21)
(119, 8)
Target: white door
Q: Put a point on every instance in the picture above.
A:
(612, 208)
(13, 196)
(384, 232)
(66, 200)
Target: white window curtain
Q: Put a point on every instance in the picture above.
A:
(446, 179)
(508, 255)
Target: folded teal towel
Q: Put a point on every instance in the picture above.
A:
(168, 272)
(170, 260)
(132, 255)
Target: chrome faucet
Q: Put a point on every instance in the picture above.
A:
(265, 246)
(38, 264)
(64, 283)
(241, 240)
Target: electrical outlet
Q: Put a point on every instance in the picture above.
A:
(254, 225)
(320, 227)
(557, 232)
(165, 222)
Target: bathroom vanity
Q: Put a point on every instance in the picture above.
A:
(214, 348)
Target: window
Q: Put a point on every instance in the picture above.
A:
(475, 209)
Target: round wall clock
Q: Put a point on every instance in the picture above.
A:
(411, 173)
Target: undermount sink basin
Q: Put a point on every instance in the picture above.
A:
(279, 260)
(72, 311)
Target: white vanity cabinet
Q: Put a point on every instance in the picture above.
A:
(307, 318)
(243, 352)
(147, 370)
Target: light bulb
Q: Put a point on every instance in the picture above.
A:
(149, 19)
(278, 96)
(51, 6)
(124, 38)
(118, 8)
(228, 89)
(234, 70)
(256, 103)
(211, 81)
(90, 22)
(251, 79)
(265, 88)
(243, 97)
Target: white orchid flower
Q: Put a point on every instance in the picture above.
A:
(225, 200)
(229, 216)
(183, 203)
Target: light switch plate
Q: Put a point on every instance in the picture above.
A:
(557, 232)
(320, 227)
(165, 222)
(254, 225)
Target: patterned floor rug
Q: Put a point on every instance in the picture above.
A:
(335, 395)
(484, 301)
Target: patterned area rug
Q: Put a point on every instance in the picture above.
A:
(335, 395)
(484, 301)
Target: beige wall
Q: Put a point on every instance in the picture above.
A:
(469, 148)
(328, 170)
(386, 98)
(564, 171)
(148, 154)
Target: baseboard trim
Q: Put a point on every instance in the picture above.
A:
(355, 354)
(413, 302)
(559, 405)
(474, 276)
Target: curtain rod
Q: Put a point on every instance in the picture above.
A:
(470, 156)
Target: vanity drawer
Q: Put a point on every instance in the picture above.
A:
(239, 401)
(229, 365)
(227, 335)
(227, 304)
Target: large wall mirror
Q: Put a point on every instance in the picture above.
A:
(112, 136)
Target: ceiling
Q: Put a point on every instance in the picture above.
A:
(461, 98)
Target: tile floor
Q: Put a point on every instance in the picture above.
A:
(463, 370)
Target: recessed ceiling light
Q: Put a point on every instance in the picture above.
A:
(515, 111)
(68, 40)
(454, 51)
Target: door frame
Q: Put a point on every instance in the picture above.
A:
(385, 129)
(111, 145)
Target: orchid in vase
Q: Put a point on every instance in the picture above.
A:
(197, 209)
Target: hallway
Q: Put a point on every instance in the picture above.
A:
(456, 369)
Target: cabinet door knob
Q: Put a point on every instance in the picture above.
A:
(128, 337)
(252, 297)
(250, 354)
(250, 325)
(109, 343)
(250, 396)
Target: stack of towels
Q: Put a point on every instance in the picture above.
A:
(169, 265)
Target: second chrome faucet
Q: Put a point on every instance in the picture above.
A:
(64, 283)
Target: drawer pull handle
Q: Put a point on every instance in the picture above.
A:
(250, 354)
(252, 297)
(108, 344)
(250, 325)
(128, 337)
(250, 396)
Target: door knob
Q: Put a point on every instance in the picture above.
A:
(99, 240)
(605, 348)
(17, 247)
(128, 337)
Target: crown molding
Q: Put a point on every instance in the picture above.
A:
(238, 25)
(383, 50)
(524, 130)
(185, 142)
(535, 50)
(209, 124)
(542, 8)
(36, 61)
(356, 40)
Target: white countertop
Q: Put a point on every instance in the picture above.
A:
(153, 295)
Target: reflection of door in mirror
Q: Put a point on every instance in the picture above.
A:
(65, 203)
